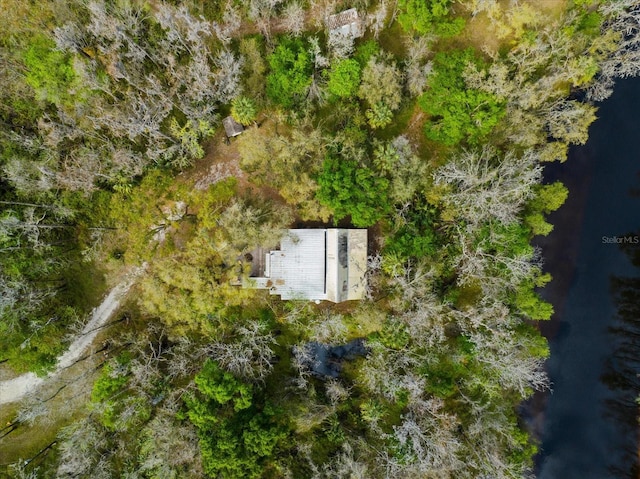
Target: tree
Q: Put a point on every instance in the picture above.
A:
(238, 432)
(488, 186)
(228, 75)
(426, 442)
(458, 112)
(406, 170)
(478, 6)
(378, 18)
(497, 257)
(413, 235)
(340, 45)
(290, 75)
(249, 354)
(344, 78)
(189, 137)
(49, 71)
(288, 161)
(623, 60)
(352, 190)
(428, 17)
(255, 67)
(379, 115)
(243, 110)
(528, 301)
(293, 18)
(381, 82)
(84, 445)
(346, 465)
(569, 121)
(191, 287)
(547, 198)
(261, 12)
(123, 85)
(416, 68)
(168, 448)
(230, 24)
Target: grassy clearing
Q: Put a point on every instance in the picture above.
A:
(490, 30)
(553, 8)
(390, 40)
(480, 33)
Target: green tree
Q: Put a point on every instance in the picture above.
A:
(287, 160)
(352, 190)
(118, 408)
(223, 387)
(381, 82)
(379, 115)
(290, 75)
(547, 198)
(458, 113)
(188, 138)
(243, 110)
(49, 71)
(414, 236)
(344, 78)
(529, 303)
(238, 431)
(428, 17)
(255, 67)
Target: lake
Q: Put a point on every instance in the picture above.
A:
(588, 425)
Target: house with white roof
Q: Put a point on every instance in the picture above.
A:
(316, 265)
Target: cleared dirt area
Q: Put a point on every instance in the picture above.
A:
(221, 161)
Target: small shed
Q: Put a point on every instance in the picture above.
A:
(346, 23)
(231, 127)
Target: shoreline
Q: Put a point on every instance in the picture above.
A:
(560, 250)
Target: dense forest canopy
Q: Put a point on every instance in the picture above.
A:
(429, 124)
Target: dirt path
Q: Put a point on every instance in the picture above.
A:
(15, 389)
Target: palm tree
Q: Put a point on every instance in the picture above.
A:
(379, 116)
(243, 110)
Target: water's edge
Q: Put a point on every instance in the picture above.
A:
(579, 436)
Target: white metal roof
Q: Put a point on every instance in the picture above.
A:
(317, 264)
(298, 268)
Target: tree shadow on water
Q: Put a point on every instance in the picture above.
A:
(622, 369)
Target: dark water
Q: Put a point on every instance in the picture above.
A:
(325, 361)
(588, 425)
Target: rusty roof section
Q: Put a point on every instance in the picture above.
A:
(343, 19)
